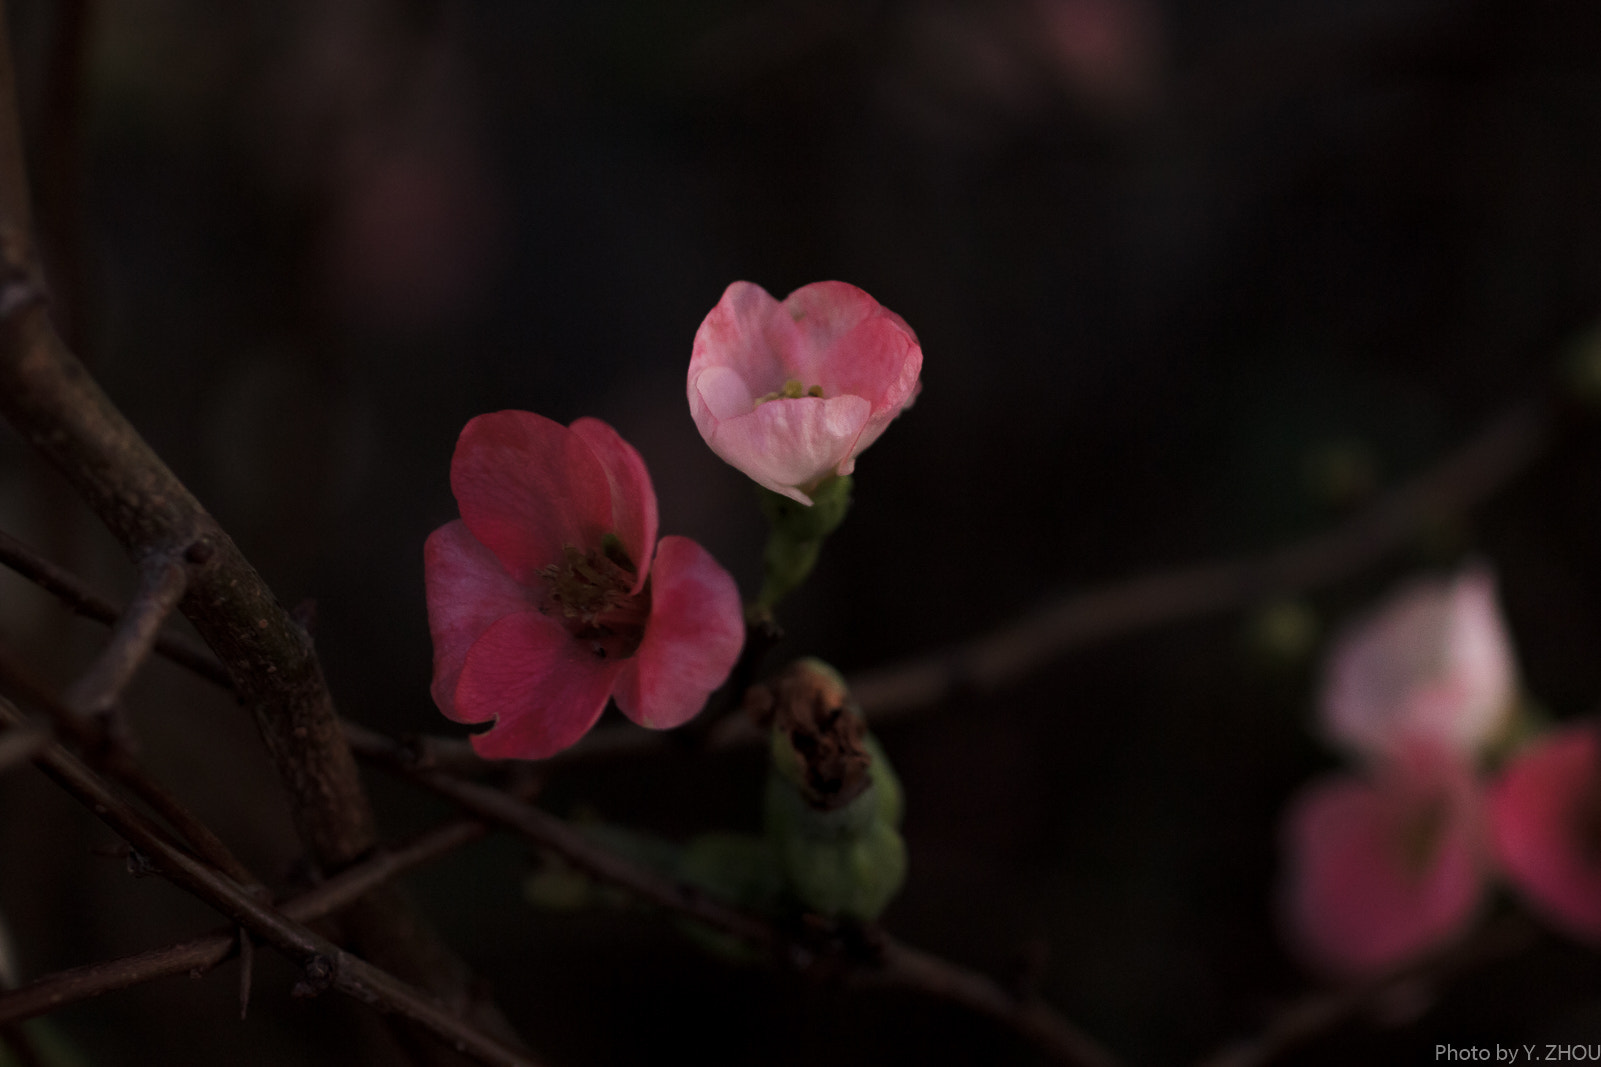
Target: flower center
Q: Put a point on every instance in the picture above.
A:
(793, 390)
(1420, 835)
(592, 594)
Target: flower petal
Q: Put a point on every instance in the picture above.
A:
(786, 444)
(735, 335)
(722, 393)
(1434, 663)
(696, 630)
(527, 487)
(1545, 818)
(542, 688)
(849, 343)
(1380, 871)
(633, 498)
(468, 591)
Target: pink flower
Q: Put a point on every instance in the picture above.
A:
(544, 601)
(1433, 664)
(1545, 818)
(792, 393)
(1384, 868)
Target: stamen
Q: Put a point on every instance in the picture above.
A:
(794, 389)
(593, 592)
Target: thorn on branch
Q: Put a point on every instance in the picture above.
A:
(21, 286)
(247, 967)
(139, 864)
(317, 977)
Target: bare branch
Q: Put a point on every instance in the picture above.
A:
(197, 956)
(161, 585)
(49, 397)
(326, 964)
(113, 756)
(903, 966)
(77, 595)
(20, 744)
(51, 400)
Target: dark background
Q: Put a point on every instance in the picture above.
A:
(1192, 279)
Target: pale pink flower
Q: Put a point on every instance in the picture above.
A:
(1545, 818)
(792, 392)
(544, 599)
(1434, 664)
(1385, 867)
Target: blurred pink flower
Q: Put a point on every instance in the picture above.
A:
(792, 392)
(544, 602)
(1545, 819)
(1110, 51)
(1385, 867)
(1434, 664)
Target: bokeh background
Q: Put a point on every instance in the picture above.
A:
(1192, 278)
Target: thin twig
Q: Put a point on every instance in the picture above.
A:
(327, 966)
(112, 755)
(1463, 479)
(21, 744)
(76, 594)
(1317, 1014)
(897, 965)
(57, 990)
(162, 582)
(247, 969)
(903, 966)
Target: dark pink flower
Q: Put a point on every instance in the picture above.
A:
(1545, 818)
(792, 392)
(544, 599)
(1385, 867)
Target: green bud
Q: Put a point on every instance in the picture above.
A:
(832, 826)
(846, 863)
